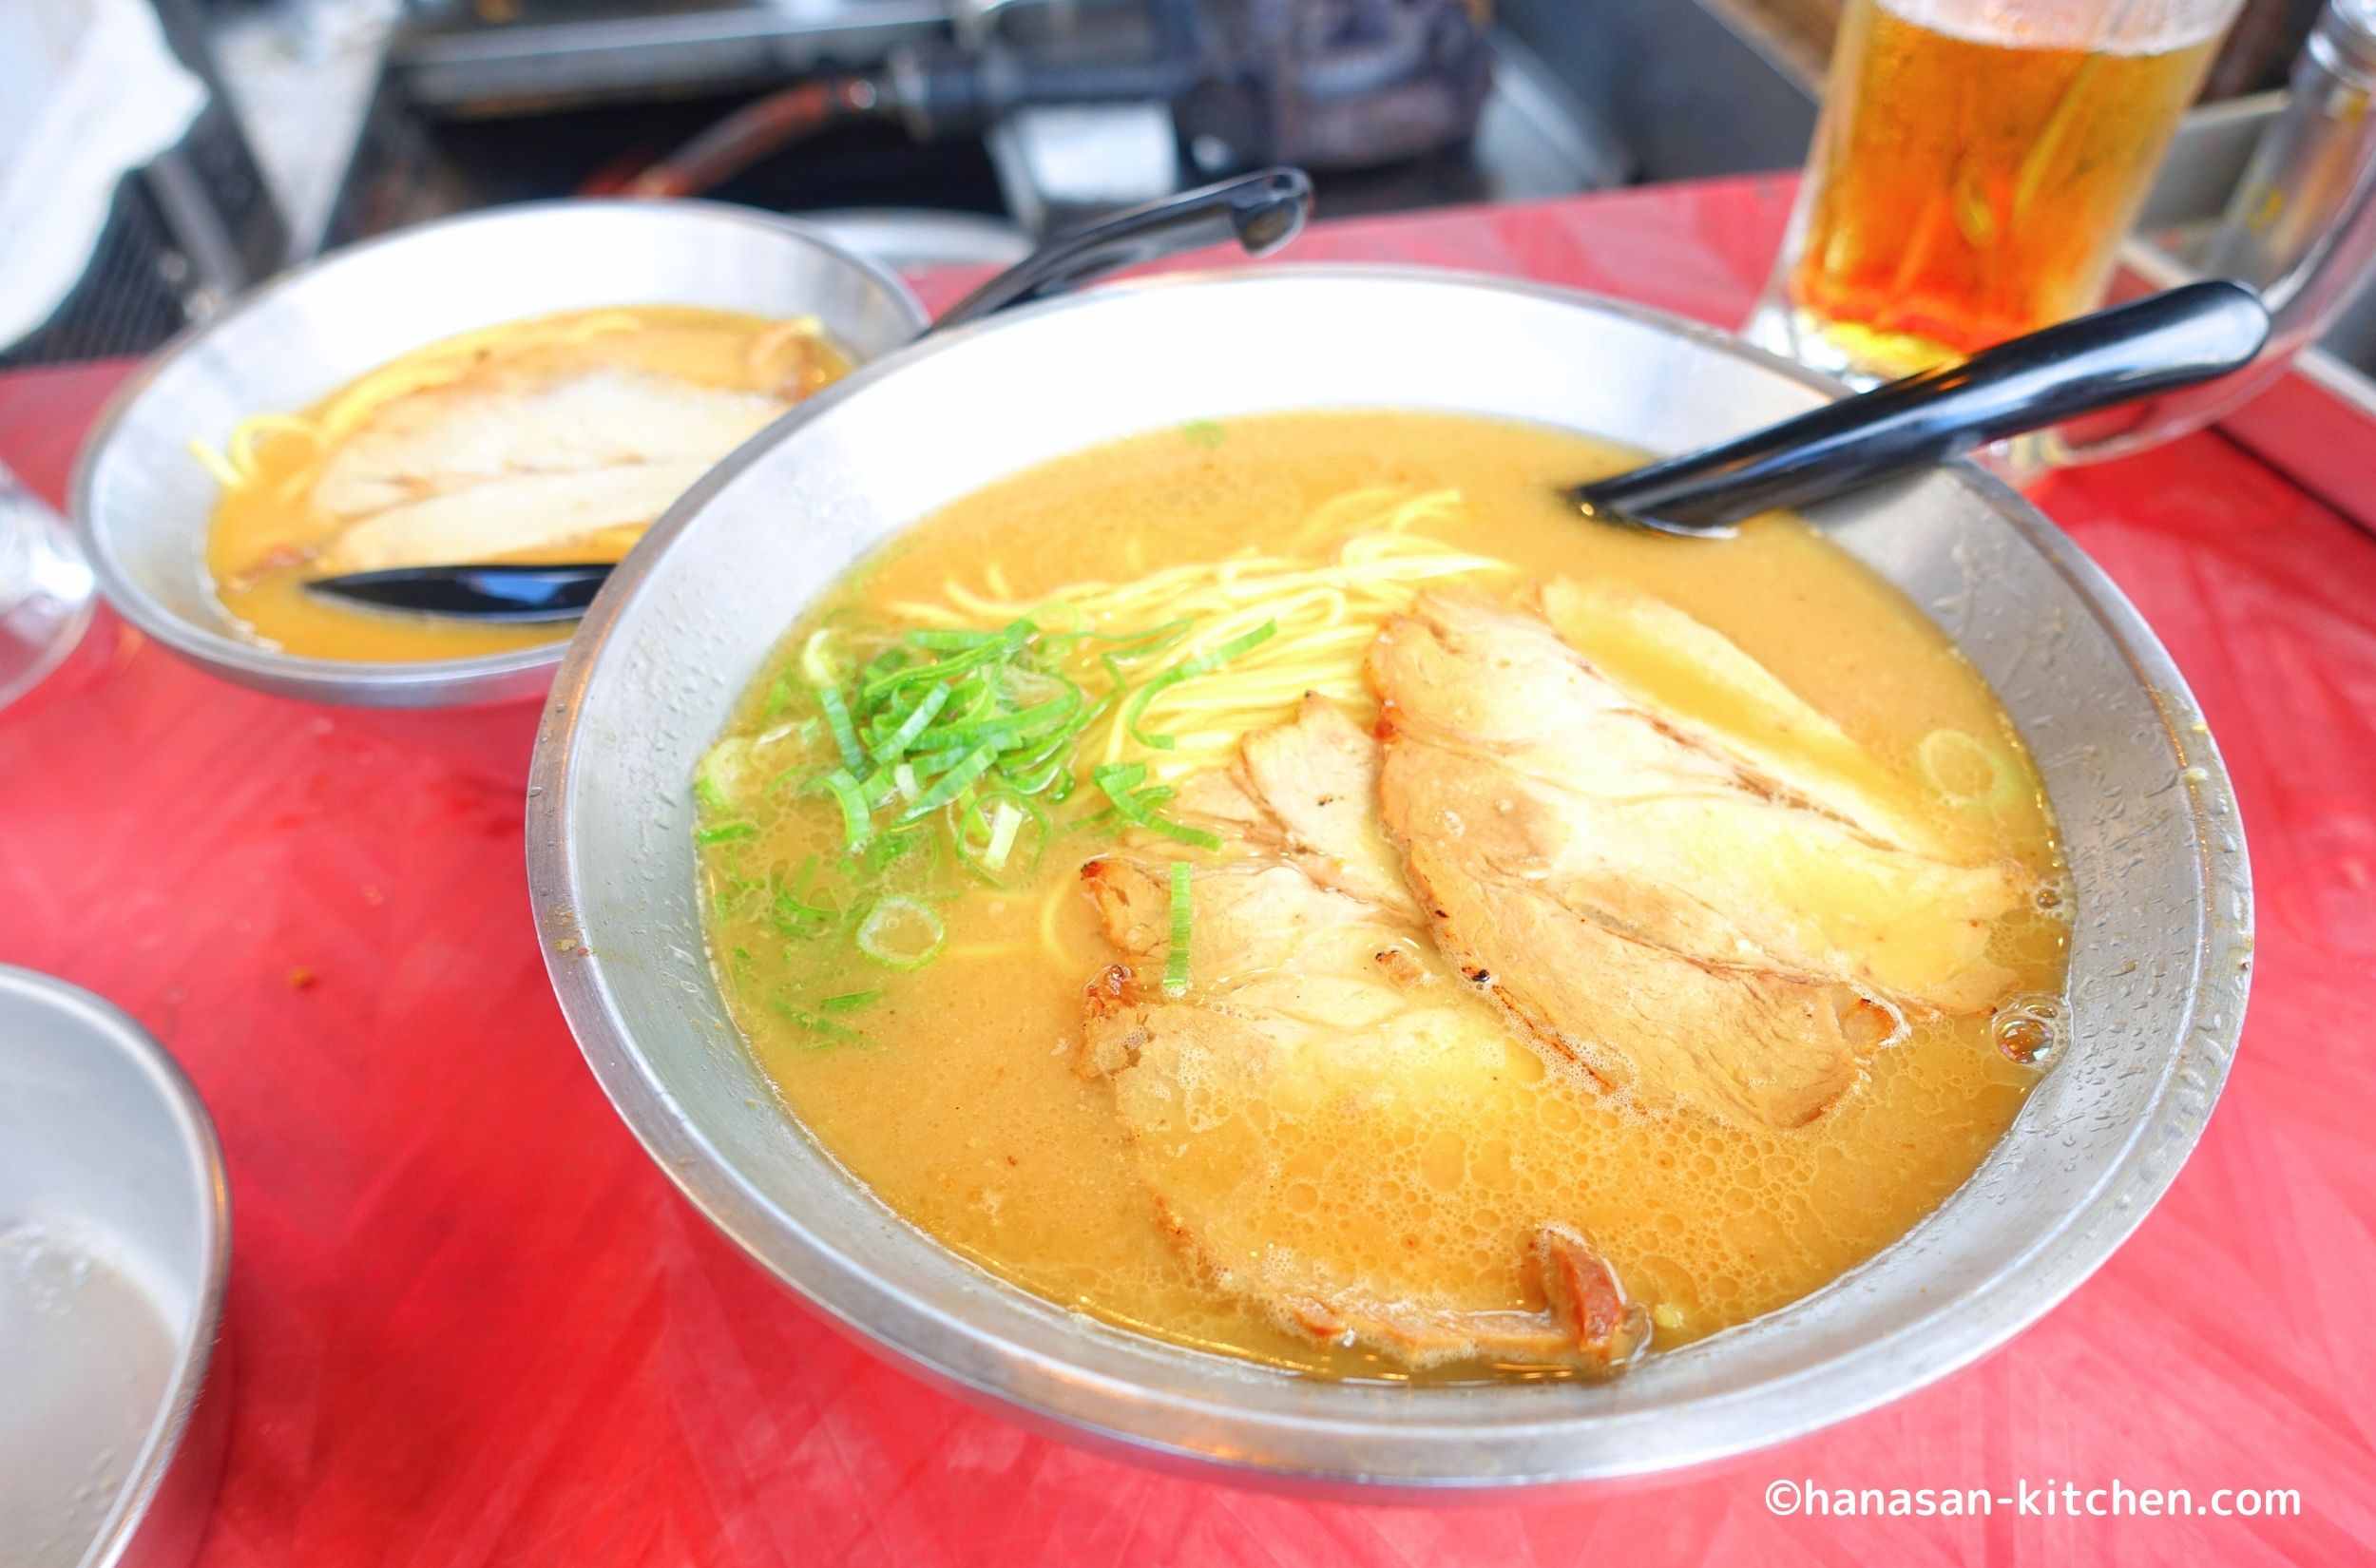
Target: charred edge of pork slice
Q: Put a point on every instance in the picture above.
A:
(1586, 1322)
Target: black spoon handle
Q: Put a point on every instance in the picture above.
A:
(1260, 211)
(507, 592)
(2165, 340)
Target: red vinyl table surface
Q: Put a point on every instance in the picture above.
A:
(472, 1324)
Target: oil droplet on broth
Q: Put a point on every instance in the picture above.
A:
(2029, 1028)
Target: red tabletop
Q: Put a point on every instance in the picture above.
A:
(473, 1325)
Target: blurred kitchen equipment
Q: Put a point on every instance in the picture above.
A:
(114, 1245)
(46, 597)
(127, 194)
(2179, 338)
(2158, 967)
(1326, 84)
(2301, 228)
(1975, 167)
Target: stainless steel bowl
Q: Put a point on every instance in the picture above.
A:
(2160, 949)
(141, 503)
(115, 1237)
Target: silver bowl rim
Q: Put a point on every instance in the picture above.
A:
(376, 682)
(195, 1354)
(1892, 1366)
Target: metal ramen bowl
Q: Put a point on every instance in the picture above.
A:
(141, 503)
(2160, 941)
(115, 1240)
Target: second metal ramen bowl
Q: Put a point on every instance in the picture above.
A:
(143, 503)
(2160, 940)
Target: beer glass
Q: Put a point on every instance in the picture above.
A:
(44, 590)
(1975, 165)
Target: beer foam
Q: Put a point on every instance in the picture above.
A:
(2108, 27)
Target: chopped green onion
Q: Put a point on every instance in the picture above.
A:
(1146, 644)
(1007, 730)
(1204, 663)
(796, 913)
(991, 836)
(725, 831)
(820, 665)
(1119, 778)
(904, 780)
(845, 735)
(928, 708)
(729, 895)
(1122, 783)
(1183, 917)
(849, 1001)
(818, 1025)
(1177, 832)
(950, 784)
(857, 818)
(940, 760)
(1004, 823)
(900, 932)
(900, 844)
(724, 773)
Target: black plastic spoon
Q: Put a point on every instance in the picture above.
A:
(2151, 345)
(1259, 212)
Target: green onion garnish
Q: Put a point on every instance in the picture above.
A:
(845, 735)
(816, 1024)
(721, 832)
(1183, 917)
(1135, 802)
(901, 933)
(1204, 663)
(821, 664)
(1001, 835)
(857, 819)
(950, 784)
(928, 708)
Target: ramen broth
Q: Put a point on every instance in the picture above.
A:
(951, 1089)
(521, 402)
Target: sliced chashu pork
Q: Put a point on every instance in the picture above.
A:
(1315, 1113)
(492, 467)
(1645, 895)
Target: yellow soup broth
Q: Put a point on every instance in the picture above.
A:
(949, 1089)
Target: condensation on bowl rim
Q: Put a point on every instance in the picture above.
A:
(2161, 951)
(140, 504)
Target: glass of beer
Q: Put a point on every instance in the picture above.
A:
(1974, 168)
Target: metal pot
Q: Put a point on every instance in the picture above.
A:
(143, 503)
(2161, 941)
